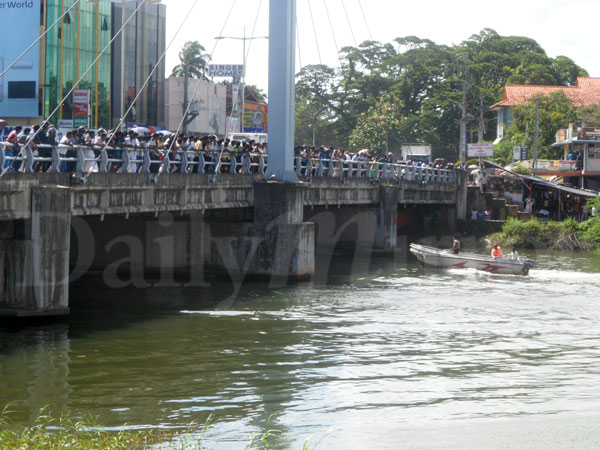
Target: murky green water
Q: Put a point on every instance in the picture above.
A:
(402, 358)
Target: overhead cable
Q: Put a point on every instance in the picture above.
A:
(142, 3)
(141, 90)
(365, 19)
(337, 48)
(315, 33)
(39, 39)
(349, 23)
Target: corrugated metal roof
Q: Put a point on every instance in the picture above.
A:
(546, 183)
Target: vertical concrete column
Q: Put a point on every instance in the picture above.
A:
(286, 245)
(461, 195)
(36, 268)
(387, 230)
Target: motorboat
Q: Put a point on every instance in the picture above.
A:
(446, 259)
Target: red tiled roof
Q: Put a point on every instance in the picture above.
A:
(586, 92)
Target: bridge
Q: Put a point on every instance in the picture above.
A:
(192, 216)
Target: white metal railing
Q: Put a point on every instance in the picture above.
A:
(83, 160)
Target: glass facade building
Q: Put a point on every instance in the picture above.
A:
(133, 63)
(70, 49)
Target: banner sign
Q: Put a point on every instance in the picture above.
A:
(19, 88)
(588, 134)
(480, 150)
(256, 117)
(226, 70)
(520, 152)
(81, 107)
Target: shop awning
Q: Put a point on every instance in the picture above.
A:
(546, 183)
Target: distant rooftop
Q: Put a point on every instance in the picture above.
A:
(586, 92)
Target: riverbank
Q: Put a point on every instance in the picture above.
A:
(568, 235)
(48, 432)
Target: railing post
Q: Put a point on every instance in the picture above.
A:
(103, 161)
(55, 167)
(80, 160)
(262, 166)
(146, 160)
(29, 160)
(125, 160)
(184, 161)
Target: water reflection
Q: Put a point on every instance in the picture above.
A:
(361, 359)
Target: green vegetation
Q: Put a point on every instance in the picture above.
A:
(568, 235)
(408, 91)
(555, 112)
(50, 433)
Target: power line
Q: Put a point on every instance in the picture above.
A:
(298, 43)
(89, 68)
(315, 32)
(198, 84)
(39, 39)
(349, 23)
(337, 48)
(141, 90)
(365, 19)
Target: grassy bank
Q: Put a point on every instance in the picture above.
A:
(49, 433)
(568, 235)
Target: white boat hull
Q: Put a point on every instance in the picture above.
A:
(444, 259)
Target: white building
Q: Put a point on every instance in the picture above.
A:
(209, 102)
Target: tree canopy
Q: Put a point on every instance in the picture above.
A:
(409, 90)
(193, 61)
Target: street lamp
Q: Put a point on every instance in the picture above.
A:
(242, 83)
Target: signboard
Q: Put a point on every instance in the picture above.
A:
(19, 88)
(588, 134)
(255, 118)
(81, 108)
(480, 150)
(80, 122)
(226, 70)
(520, 152)
(81, 96)
(65, 124)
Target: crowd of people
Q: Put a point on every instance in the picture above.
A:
(160, 145)
(366, 156)
(40, 139)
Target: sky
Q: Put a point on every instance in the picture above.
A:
(561, 27)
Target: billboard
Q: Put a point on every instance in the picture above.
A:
(256, 117)
(81, 107)
(226, 70)
(19, 87)
(480, 150)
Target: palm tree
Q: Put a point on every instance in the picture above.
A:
(193, 64)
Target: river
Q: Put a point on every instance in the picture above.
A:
(398, 357)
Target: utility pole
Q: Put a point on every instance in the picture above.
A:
(242, 83)
(481, 130)
(463, 125)
(535, 136)
(463, 119)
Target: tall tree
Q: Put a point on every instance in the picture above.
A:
(192, 64)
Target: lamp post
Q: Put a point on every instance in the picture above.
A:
(242, 83)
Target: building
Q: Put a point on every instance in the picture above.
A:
(145, 37)
(585, 92)
(32, 90)
(208, 104)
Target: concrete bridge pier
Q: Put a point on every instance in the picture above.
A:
(386, 237)
(34, 259)
(278, 245)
